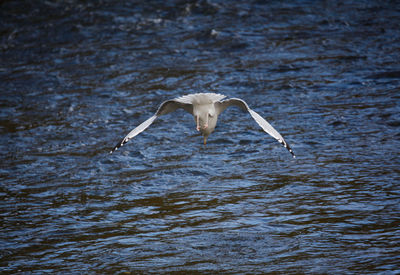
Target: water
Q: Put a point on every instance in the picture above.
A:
(76, 77)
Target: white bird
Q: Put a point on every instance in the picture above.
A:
(205, 108)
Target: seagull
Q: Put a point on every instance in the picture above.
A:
(205, 108)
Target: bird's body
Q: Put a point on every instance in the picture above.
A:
(205, 108)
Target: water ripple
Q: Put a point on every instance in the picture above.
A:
(76, 77)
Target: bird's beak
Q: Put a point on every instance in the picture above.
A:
(205, 140)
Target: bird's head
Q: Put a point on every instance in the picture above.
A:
(206, 119)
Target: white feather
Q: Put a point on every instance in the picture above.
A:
(202, 105)
(200, 98)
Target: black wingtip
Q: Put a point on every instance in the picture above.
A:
(119, 145)
(113, 150)
(288, 148)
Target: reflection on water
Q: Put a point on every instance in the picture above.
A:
(75, 77)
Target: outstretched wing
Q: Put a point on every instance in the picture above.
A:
(222, 105)
(165, 108)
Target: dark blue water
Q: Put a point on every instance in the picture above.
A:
(77, 76)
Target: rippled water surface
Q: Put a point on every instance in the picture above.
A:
(76, 76)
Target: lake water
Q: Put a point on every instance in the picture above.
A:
(77, 76)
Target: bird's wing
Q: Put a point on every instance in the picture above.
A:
(165, 108)
(222, 105)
